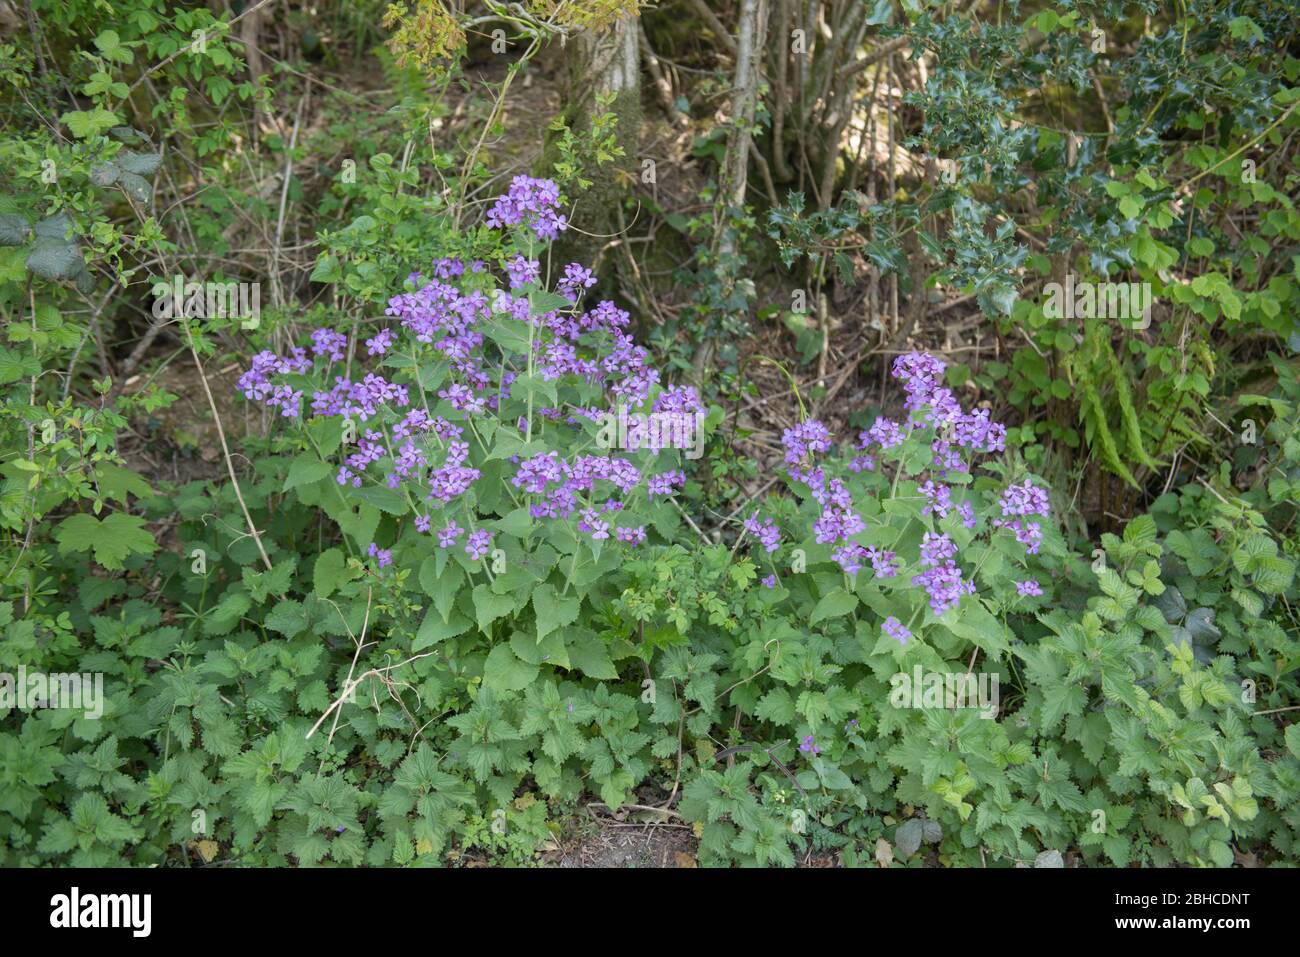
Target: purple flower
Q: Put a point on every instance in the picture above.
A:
(383, 556)
(884, 563)
(883, 432)
(808, 438)
(449, 535)
(936, 549)
(380, 343)
(895, 629)
(681, 399)
(576, 278)
(1029, 588)
(328, 343)
(809, 746)
(632, 536)
(967, 513)
(530, 202)
(422, 523)
(943, 583)
(478, 544)
(664, 483)
(767, 533)
(523, 271)
(1024, 499)
(769, 581)
(938, 499)
(593, 525)
(849, 557)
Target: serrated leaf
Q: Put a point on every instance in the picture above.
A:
(833, 604)
(55, 259)
(14, 229)
(504, 671)
(141, 164)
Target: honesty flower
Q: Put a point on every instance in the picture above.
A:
(478, 544)
(383, 556)
(767, 533)
(895, 629)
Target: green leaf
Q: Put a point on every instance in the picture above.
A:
(113, 539)
(488, 606)
(553, 610)
(330, 572)
(833, 604)
(87, 123)
(14, 229)
(55, 259)
(304, 470)
(591, 657)
(140, 164)
(287, 617)
(504, 671)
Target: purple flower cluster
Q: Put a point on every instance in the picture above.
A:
(766, 532)
(1024, 500)
(561, 485)
(530, 202)
(885, 564)
(930, 403)
(665, 483)
(943, 583)
(806, 440)
(478, 544)
(895, 629)
(453, 478)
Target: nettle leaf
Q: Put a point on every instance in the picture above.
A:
(287, 617)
